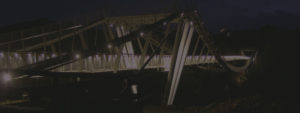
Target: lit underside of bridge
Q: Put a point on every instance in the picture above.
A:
(104, 63)
(112, 44)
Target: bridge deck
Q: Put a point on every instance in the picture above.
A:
(104, 63)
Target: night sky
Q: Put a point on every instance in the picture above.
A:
(232, 14)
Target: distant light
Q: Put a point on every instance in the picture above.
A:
(191, 23)
(196, 11)
(42, 55)
(77, 56)
(16, 55)
(53, 55)
(6, 77)
(165, 23)
(24, 94)
(111, 25)
(134, 89)
(142, 34)
(29, 55)
(181, 14)
(109, 46)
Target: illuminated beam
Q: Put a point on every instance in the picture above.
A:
(183, 59)
(181, 56)
(178, 58)
(171, 67)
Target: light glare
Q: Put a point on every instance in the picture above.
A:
(77, 56)
(109, 46)
(165, 23)
(142, 34)
(6, 77)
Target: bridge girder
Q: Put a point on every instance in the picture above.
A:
(120, 32)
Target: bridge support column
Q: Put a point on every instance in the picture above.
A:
(180, 51)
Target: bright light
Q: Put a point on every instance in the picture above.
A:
(165, 23)
(109, 46)
(77, 56)
(142, 34)
(6, 77)
(134, 89)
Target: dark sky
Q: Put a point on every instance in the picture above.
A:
(234, 14)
